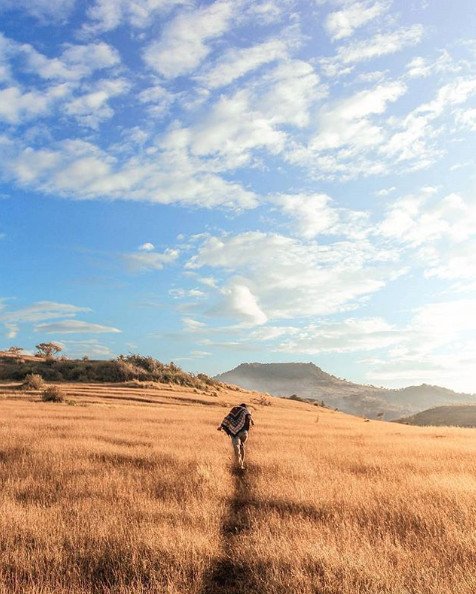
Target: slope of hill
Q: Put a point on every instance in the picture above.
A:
(284, 379)
(455, 415)
(309, 381)
(123, 368)
(132, 491)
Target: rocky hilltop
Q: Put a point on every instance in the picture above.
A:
(307, 380)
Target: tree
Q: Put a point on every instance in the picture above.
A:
(15, 350)
(48, 349)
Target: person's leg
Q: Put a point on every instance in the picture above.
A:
(236, 441)
(243, 438)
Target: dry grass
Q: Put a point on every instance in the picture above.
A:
(131, 491)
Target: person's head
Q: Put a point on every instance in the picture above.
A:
(243, 405)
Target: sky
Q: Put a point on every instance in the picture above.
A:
(213, 183)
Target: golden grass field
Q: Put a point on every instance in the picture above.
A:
(133, 491)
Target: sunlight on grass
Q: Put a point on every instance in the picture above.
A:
(136, 498)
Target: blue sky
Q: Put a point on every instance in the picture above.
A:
(229, 181)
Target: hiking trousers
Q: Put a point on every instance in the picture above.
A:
(238, 442)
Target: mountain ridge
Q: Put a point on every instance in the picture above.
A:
(307, 380)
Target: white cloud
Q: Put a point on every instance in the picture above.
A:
(420, 67)
(43, 10)
(91, 348)
(349, 335)
(418, 219)
(18, 106)
(158, 99)
(313, 213)
(344, 22)
(183, 44)
(92, 108)
(151, 260)
(239, 302)
(382, 44)
(107, 15)
(347, 121)
(291, 278)
(467, 119)
(193, 326)
(80, 169)
(416, 133)
(235, 63)
(147, 247)
(288, 92)
(74, 327)
(250, 119)
(75, 62)
(37, 312)
(349, 132)
(316, 214)
(232, 130)
(183, 293)
(437, 347)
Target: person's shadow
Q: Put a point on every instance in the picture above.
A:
(229, 575)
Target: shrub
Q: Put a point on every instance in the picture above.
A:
(33, 381)
(53, 394)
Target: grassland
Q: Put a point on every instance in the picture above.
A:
(132, 490)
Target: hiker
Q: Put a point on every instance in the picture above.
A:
(236, 424)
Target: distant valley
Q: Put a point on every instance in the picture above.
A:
(307, 380)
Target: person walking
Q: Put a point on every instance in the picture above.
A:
(237, 424)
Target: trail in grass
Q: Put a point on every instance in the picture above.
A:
(227, 575)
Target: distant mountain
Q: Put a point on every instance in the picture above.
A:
(309, 381)
(458, 415)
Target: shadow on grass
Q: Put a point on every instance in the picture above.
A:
(228, 575)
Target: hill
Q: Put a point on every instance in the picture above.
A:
(122, 369)
(309, 381)
(455, 415)
(129, 489)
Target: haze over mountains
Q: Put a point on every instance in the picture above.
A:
(310, 381)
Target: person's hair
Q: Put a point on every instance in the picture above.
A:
(243, 404)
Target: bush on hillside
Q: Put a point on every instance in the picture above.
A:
(33, 381)
(53, 394)
(126, 368)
